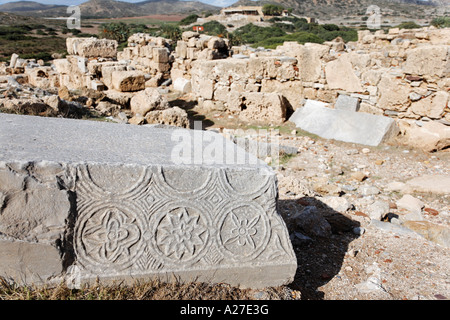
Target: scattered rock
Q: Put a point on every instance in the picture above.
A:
(410, 203)
(148, 100)
(433, 232)
(378, 210)
(182, 85)
(128, 81)
(391, 228)
(430, 136)
(338, 204)
(438, 184)
(358, 176)
(431, 212)
(293, 186)
(174, 116)
(326, 188)
(367, 190)
(359, 231)
(312, 222)
(137, 119)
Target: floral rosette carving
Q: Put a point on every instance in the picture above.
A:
(108, 238)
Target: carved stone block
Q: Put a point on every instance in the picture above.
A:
(116, 203)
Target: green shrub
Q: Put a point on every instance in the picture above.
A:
(408, 25)
(170, 31)
(46, 56)
(116, 31)
(7, 30)
(251, 33)
(330, 27)
(214, 28)
(15, 37)
(189, 19)
(441, 22)
(272, 10)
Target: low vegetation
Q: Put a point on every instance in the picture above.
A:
(189, 19)
(36, 40)
(292, 29)
(143, 290)
(42, 40)
(408, 25)
(441, 22)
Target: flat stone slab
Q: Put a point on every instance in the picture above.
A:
(345, 102)
(82, 199)
(343, 125)
(439, 184)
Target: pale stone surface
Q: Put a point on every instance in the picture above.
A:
(338, 204)
(26, 262)
(263, 107)
(107, 72)
(291, 90)
(378, 209)
(182, 85)
(432, 106)
(429, 60)
(340, 75)
(128, 81)
(345, 102)
(431, 136)
(410, 203)
(92, 47)
(12, 62)
(112, 202)
(148, 100)
(431, 231)
(393, 94)
(160, 55)
(174, 116)
(345, 126)
(308, 56)
(439, 184)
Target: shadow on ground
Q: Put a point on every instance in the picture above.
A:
(193, 116)
(319, 259)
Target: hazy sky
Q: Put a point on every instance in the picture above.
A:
(219, 3)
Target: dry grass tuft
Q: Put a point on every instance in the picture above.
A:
(139, 290)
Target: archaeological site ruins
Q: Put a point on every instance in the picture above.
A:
(81, 200)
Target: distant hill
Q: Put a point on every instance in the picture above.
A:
(321, 9)
(334, 8)
(27, 6)
(108, 8)
(11, 19)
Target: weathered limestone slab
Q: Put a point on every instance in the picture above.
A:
(430, 60)
(182, 85)
(345, 102)
(128, 81)
(92, 47)
(340, 75)
(348, 126)
(116, 202)
(263, 107)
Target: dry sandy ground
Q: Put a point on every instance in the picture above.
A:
(377, 264)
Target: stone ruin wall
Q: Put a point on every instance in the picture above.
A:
(402, 74)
